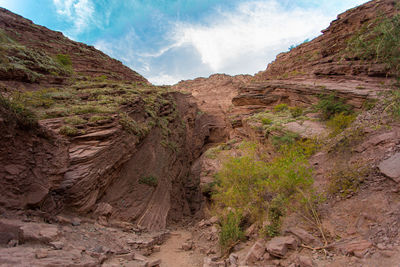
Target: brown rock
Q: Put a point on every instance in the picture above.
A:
(391, 167)
(305, 261)
(255, 253)
(43, 233)
(278, 246)
(304, 236)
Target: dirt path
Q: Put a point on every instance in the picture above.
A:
(172, 255)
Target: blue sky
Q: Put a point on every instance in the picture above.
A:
(171, 40)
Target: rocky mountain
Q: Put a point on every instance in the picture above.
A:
(295, 166)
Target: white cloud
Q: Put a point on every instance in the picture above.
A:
(79, 12)
(164, 79)
(239, 41)
(253, 28)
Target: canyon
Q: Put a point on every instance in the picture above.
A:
(101, 168)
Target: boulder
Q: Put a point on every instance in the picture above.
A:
(391, 167)
(305, 237)
(279, 246)
(255, 253)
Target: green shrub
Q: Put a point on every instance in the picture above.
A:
(381, 43)
(394, 103)
(131, 126)
(252, 186)
(266, 121)
(339, 122)
(330, 105)
(76, 120)
(296, 111)
(346, 178)
(24, 117)
(231, 231)
(69, 131)
(97, 118)
(288, 138)
(280, 107)
(64, 60)
(149, 180)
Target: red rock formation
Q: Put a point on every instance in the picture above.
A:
(325, 55)
(104, 164)
(86, 60)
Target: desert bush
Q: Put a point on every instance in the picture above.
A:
(69, 131)
(24, 117)
(64, 60)
(330, 105)
(149, 180)
(381, 43)
(75, 120)
(280, 107)
(97, 118)
(288, 138)
(339, 122)
(296, 111)
(252, 186)
(131, 126)
(231, 232)
(346, 178)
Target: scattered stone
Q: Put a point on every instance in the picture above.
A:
(357, 248)
(12, 243)
(210, 262)
(103, 209)
(278, 246)
(305, 261)
(251, 230)
(41, 254)
(234, 259)
(214, 220)
(153, 263)
(188, 245)
(10, 231)
(58, 245)
(304, 236)
(76, 222)
(156, 248)
(391, 167)
(36, 232)
(255, 253)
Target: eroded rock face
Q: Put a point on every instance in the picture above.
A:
(85, 59)
(323, 56)
(105, 169)
(106, 166)
(214, 96)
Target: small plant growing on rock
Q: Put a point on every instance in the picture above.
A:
(75, 120)
(330, 105)
(69, 131)
(149, 180)
(296, 111)
(231, 232)
(280, 107)
(345, 178)
(339, 122)
(64, 60)
(24, 117)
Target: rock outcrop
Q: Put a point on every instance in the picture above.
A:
(104, 142)
(326, 56)
(41, 42)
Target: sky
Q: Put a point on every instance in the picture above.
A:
(171, 40)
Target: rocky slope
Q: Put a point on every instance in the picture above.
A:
(327, 55)
(96, 163)
(83, 134)
(360, 217)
